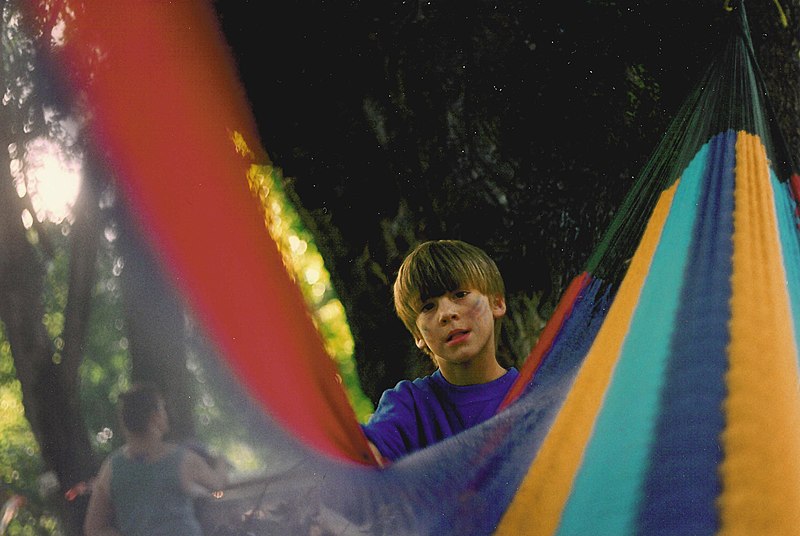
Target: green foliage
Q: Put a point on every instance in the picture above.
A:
(642, 90)
(20, 463)
(19, 453)
(6, 363)
(306, 266)
(105, 367)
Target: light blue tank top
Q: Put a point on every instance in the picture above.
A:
(148, 499)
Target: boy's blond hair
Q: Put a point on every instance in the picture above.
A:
(436, 267)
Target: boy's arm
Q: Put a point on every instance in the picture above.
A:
(382, 461)
(196, 472)
(391, 428)
(100, 513)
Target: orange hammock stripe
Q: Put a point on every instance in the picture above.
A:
(539, 502)
(761, 442)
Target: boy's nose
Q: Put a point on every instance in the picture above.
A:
(447, 314)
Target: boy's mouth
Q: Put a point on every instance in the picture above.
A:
(457, 335)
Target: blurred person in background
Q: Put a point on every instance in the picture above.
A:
(148, 486)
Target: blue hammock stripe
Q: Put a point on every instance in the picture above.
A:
(683, 473)
(617, 456)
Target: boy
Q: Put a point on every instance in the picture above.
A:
(451, 297)
(147, 486)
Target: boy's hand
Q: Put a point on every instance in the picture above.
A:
(382, 462)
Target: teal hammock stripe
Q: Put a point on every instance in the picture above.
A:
(785, 207)
(617, 456)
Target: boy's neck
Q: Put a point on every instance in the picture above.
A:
(145, 446)
(471, 373)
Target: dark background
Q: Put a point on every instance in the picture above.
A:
(517, 126)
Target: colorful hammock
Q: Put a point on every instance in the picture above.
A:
(663, 395)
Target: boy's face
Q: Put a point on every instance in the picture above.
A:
(458, 327)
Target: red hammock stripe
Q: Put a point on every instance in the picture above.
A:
(546, 338)
(167, 102)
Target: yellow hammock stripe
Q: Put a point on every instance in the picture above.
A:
(761, 442)
(537, 506)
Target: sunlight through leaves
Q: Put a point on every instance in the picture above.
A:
(306, 267)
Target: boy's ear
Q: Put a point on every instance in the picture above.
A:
(420, 343)
(498, 306)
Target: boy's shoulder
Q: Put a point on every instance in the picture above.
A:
(412, 392)
(434, 387)
(421, 384)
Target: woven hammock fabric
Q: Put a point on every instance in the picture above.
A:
(693, 367)
(662, 397)
(168, 110)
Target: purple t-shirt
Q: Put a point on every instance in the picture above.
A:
(418, 413)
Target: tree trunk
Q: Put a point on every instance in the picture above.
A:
(778, 52)
(49, 387)
(154, 320)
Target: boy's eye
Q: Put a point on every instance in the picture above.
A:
(427, 306)
(460, 293)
